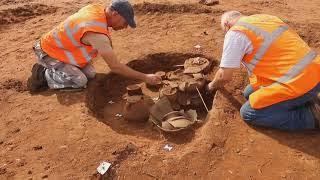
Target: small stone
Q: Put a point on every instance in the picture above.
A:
(197, 46)
(111, 102)
(63, 147)
(10, 148)
(194, 173)
(16, 130)
(1, 142)
(217, 124)
(283, 176)
(230, 171)
(37, 148)
(29, 172)
(251, 140)
(3, 170)
(164, 161)
(20, 162)
(238, 151)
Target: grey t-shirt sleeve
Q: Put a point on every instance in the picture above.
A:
(235, 46)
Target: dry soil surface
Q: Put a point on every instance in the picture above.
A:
(66, 135)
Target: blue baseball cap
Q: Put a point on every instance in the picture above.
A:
(124, 8)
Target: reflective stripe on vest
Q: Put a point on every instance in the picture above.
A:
(268, 39)
(70, 34)
(297, 68)
(87, 24)
(66, 52)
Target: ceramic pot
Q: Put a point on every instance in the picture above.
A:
(137, 108)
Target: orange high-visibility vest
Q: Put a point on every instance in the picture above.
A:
(281, 66)
(64, 42)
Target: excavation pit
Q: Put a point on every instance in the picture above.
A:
(106, 97)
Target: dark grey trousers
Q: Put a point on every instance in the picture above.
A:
(60, 75)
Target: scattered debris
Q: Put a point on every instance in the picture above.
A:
(168, 147)
(103, 167)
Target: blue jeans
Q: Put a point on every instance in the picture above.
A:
(292, 114)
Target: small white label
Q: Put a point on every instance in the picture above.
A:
(167, 147)
(103, 168)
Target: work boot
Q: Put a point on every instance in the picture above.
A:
(315, 109)
(37, 81)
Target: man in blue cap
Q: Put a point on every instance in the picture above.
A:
(64, 54)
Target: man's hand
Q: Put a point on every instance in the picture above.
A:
(152, 79)
(222, 76)
(211, 87)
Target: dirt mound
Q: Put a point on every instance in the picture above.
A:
(25, 12)
(7, 2)
(266, 3)
(147, 7)
(14, 84)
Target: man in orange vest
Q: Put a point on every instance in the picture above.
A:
(64, 54)
(284, 72)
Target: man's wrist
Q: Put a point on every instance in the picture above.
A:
(143, 77)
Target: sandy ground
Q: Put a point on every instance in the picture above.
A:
(65, 135)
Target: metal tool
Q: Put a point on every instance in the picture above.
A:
(202, 99)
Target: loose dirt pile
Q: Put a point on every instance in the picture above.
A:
(66, 135)
(25, 12)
